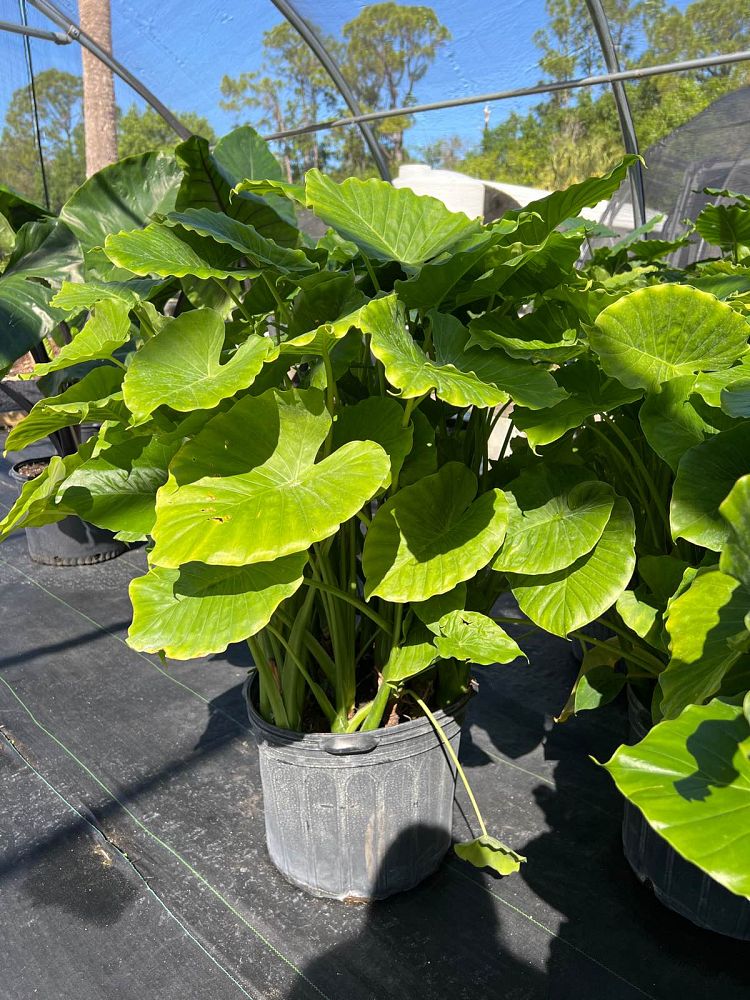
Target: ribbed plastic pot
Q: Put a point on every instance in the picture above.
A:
(677, 883)
(360, 816)
(69, 542)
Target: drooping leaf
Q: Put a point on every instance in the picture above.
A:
(705, 476)
(38, 503)
(376, 419)
(590, 392)
(174, 252)
(247, 488)
(122, 196)
(181, 367)
(670, 421)
(411, 657)
(430, 536)
(387, 223)
(488, 852)
(690, 777)
(107, 329)
(704, 624)
(554, 519)
(469, 635)
(661, 332)
(198, 610)
(598, 683)
(95, 398)
(26, 316)
(564, 601)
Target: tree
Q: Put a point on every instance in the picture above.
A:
(389, 48)
(60, 119)
(141, 131)
(100, 112)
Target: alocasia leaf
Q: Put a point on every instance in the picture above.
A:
(544, 334)
(671, 423)
(181, 367)
(488, 852)
(735, 399)
(45, 249)
(433, 283)
(411, 657)
(553, 520)
(95, 398)
(387, 223)
(661, 332)
(107, 329)
(171, 251)
(735, 556)
(26, 316)
(198, 610)
(690, 777)
(74, 297)
(430, 536)
(378, 419)
(706, 628)
(469, 635)
(598, 682)
(39, 503)
(248, 489)
(430, 612)
(726, 226)
(564, 601)
(705, 476)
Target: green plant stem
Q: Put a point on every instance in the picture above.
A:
(452, 754)
(320, 695)
(235, 298)
(269, 682)
(359, 717)
(354, 601)
(282, 305)
(376, 708)
(371, 272)
(647, 478)
(629, 473)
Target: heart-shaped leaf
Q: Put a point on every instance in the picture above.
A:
(430, 536)
(107, 329)
(26, 317)
(488, 852)
(248, 488)
(38, 503)
(671, 422)
(198, 610)
(174, 252)
(376, 419)
(413, 656)
(661, 332)
(469, 635)
(386, 222)
(690, 777)
(95, 398)
(726, 226)
(564, 601)
(181, 367)
(705, 476)
(554, 519)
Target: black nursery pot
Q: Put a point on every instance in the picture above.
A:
(677, 883)
(361, 816)
(69, 542)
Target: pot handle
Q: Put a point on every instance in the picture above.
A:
(348, 743)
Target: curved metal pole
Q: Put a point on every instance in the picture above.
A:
(73, 31)
(300, 25)
(627, 125)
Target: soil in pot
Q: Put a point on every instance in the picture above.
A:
(359, 816)
(677, 883)
(70, 541)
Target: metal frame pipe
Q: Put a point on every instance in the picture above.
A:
(24, 29)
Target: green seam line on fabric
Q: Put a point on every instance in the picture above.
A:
(188, 933)
(547, 930)
(113, 635)
(171, 850)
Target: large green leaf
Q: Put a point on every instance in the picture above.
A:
(39, 503)
(430, 536)
(261, 252)
(661, 332)
(198, 610)
(116, 488)
(711, 385)
(705, 476)
(434, 282)
(107, 329)
(564, 601)
(726, 226)
(17, 209)
(411, 657)
(46, 250)
(704, 625)
(469, 635)
(122, 196)
(590, 391)
(554, 519)
(247, 488)
(545, 334)
(181, 367)
(26, 316)
(597, 683)
(671, 422)
(460, 376)
(690, 777)
(735, 556)
(174, 252)
(95, 398)
(376, 419)
(323, 298)
(386, 222)
(735, 399)
(74, 297)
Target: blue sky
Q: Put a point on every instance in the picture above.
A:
(182, 48)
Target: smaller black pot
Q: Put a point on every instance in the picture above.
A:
(69, 542)
(677, 883)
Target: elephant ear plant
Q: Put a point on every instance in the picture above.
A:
(301, 431)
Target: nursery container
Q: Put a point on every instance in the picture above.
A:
(359, 816)
(69, 542)
(677, 883)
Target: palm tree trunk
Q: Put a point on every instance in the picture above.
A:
(99, 111)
